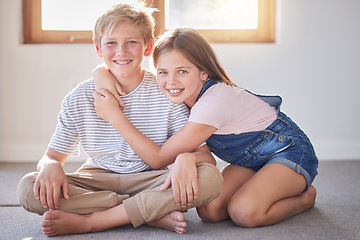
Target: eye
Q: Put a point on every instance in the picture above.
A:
(111, 43)
(183, 71)
(132, 42)
(162, 72)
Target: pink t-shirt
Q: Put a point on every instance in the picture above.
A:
(232, 110)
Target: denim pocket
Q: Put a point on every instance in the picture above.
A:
(275, 143)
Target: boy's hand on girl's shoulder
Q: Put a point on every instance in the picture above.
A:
(106, 106)
(49, 183)
(105, 80)
(115, 93)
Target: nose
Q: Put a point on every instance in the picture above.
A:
(120, 49)
(171, 79)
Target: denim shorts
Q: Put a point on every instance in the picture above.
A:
(282, 142)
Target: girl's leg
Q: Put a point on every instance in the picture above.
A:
(270, 196)
(234, 177)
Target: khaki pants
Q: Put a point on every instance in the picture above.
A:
(96, 189)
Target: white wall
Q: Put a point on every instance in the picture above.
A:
(313, 65)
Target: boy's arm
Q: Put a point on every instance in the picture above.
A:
(51, 179)
(105, 80)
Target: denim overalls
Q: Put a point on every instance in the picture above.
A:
(282, 142)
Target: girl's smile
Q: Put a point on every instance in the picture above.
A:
(175, 92)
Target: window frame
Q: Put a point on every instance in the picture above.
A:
(265, 33)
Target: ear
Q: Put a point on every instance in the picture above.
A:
(98, 49)
(204, 75)
(149, 47)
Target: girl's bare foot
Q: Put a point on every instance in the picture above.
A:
(309, 197)
(62, 223)
(174, 221)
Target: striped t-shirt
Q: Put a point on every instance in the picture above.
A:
(147, 109)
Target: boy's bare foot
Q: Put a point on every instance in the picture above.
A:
(62, 223)
(174, 221)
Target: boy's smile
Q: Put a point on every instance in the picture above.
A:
(122, 62)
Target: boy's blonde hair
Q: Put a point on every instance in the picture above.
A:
(136, 13)
(195, 48)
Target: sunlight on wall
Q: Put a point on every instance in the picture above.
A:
(65, 14)
(200, 14)
(213, 14)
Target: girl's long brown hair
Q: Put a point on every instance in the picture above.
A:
(195, 48)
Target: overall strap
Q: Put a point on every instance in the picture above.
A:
(206, 86)
(274, 101)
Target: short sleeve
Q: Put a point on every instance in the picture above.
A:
(210, 110)
(65, 139)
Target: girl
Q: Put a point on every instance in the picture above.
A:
(272, 162)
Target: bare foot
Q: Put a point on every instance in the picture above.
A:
(309, 197)
(174, 221)
(62, 223)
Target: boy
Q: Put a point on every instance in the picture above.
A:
(114, 186)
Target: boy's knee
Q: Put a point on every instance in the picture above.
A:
(25, 187)
(210, 180)
(26, 194)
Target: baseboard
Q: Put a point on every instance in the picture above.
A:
(32, 153)
(329, 151)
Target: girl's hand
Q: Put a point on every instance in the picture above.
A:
(105, 80)
(49, 183)
(183, 179)
(106, 106)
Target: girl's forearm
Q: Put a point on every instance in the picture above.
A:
(145, 148)
(197, 157)
(186, 140)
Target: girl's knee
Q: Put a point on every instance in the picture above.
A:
(208, 213)
(244, 213)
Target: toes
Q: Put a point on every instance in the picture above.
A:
(48, 215)
(47, 228)
(180, 230)
(178, 216)
(46, 224)
(181, 224)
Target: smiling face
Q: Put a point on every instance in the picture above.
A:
(179, 79)
(123, 51)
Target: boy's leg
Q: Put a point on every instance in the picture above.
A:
(152, 204)
(63, 223)
(146, 206)
(89, 191)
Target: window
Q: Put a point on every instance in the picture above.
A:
(221, 21)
